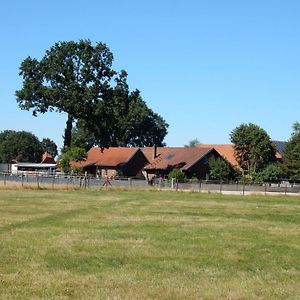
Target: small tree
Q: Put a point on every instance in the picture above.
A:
(219, 169)
(177, 174)
(271, 173)
(71, 154)
(76, 170)
(253, 148)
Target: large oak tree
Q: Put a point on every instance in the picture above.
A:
(77, 78)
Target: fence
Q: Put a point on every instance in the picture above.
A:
(40, 180)
(61, 181)
(239, 187)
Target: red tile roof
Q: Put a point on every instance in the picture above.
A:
(47, 158)
(108, 157)
(225, 150)
(170, 157)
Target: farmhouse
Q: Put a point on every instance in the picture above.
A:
(113, 162)
(147, 162)
(192, 161)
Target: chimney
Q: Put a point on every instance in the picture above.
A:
(154, 151)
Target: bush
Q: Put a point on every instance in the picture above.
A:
(177, 174)
(219, 169)
(76, 170)
(271, 173)
(71, 154)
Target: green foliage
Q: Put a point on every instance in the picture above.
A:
(296, 128)
(253, 148)
(49, 146)
(68, 78)
(76, 170)
(291, 155)
(129, 120)
(71, 77)
(19, 145)
(192, 143)
(219, 169)
(82, 138)
(77, 78)
(71, 154)
(177, 174)
(271, 173)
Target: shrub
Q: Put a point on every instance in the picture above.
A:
(177, 174)
(271, 173)
(219, 169)
(71, 154)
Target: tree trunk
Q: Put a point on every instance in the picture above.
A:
(68, 132)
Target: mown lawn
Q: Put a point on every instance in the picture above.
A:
(148, 245)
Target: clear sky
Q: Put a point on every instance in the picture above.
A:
(206, 66)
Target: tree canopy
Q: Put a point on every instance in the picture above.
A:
(129, 120)
(82, 138)
(49, 146)
(19, 145)
(219, 169)
(253, 148)
(77, 78)
(271, 173)
(71, 154)
(291, 155)
(178, 174)
(192, 143)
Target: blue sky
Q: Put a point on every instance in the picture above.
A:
(205, 66)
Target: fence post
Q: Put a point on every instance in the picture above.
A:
(176, 185)
(221, 182)
(265, 188)
(38, 181)
(4, 179)
(243, 187)
(22, 179)
(285, 189)
(53, 180)
(172, 183)
(159, 183)
(200, 183)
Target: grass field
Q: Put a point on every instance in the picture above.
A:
(148, 245)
